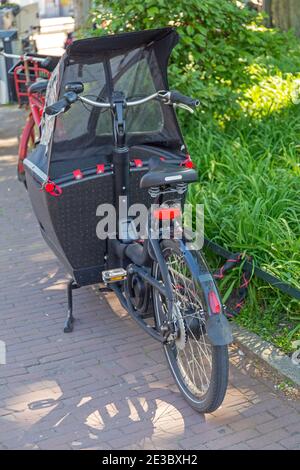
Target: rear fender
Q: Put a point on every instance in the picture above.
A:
(217, 326)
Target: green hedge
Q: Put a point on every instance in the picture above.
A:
(245, 139)
(219, 41)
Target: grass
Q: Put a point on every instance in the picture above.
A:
(249, 168)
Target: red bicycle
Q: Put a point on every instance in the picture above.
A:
(31, 75)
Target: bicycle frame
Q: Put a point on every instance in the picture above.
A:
(27, 134)
(29, 70)
(217, 325)
(121, 185)
(36, 103)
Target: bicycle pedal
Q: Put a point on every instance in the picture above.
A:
(114, 275)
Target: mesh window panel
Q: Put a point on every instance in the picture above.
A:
(83, 137)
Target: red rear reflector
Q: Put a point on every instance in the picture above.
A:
(52, 189)
(49, 187)
(100, 169)
(167, 213)
(78, 175)
(214, 303)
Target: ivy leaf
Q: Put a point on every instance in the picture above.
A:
(152, 11)
(199, 40)
(190, 30)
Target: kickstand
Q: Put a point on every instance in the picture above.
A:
(68, 328)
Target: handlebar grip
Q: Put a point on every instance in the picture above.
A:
(177, 97)
(60, 106)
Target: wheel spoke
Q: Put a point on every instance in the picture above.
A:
(194, 361)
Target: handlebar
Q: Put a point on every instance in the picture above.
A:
(167, 97)
(62, 105)
(44, 61)
(98, 104)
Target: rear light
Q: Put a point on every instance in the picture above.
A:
(214, 303)
(167, 213)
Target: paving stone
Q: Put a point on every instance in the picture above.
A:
(107, 385)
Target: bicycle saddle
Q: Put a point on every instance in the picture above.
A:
(38, 87)
(161, 173)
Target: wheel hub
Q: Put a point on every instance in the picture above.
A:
(195, 324)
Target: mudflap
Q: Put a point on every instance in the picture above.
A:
(218, 330)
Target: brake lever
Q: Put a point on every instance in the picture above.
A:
(165, 96)
(56, 114)
(184, 106)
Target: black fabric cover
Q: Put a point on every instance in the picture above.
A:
(161, 40)
(135, 63)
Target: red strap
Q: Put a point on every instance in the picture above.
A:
(78, 175)
(100, 169)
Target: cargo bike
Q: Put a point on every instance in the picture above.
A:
(30, 75)
(110, 136)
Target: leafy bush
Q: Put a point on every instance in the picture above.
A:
(245, 140)
(218, 42)
(249, 185)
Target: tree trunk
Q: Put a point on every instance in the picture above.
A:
(285, 14)
(81, 11)
(267, 6)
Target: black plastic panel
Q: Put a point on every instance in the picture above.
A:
(73, 216)
(69, 222)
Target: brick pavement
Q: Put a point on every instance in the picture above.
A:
(106, 385)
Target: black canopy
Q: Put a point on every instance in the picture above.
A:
(134, 63)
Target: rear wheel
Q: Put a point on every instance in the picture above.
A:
(200, 369)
